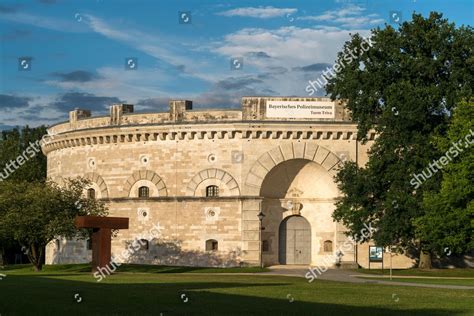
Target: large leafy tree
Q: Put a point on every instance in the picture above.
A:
(13, 144)
(448, 222)
(35, 213)
(404, 88)
(23, 142)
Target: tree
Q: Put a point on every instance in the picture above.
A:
(13, 144)
(403, 87)
(36, 213)
(448, 222)
(23, 142)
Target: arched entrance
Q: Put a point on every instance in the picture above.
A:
(295, 241)
(297, 187)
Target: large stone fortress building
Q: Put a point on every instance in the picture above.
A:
(204, 176)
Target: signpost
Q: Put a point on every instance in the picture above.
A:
(375, 255)
(390, 250)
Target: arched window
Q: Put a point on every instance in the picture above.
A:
(212, 190)
(212, 245)
(91, 193)
(328, 246)
(144, 244)
(89, 244)
(143, 192)
(265, 246)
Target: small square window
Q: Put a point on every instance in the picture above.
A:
(212, 191)
(328, 246)
(212, 245)
(143, 192)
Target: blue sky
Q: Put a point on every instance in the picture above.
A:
(78, 50)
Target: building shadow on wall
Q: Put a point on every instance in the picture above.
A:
(71, 252)
(170, 252)
(278, 181)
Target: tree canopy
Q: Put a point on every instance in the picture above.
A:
(448, 222)
(404, 87)
(14, 143)
(35, 213)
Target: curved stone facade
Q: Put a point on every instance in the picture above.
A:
(281, 166)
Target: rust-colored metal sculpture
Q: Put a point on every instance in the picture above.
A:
(101, 236)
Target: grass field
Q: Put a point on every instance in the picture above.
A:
(432, 276)
(462, 282)
(144, 290)
(463, 273)
(131, 268)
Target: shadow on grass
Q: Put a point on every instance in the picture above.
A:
(65, 269)
(185, 295)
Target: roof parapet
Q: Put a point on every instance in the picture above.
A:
(178, 108)
(78, 114)
(117, 111)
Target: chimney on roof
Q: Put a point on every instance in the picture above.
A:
(178, 109)
(117, 111)
(78, 114)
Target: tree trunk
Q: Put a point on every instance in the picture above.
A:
(38, 267)
(35, 256)
(425, 260)
(2, 254)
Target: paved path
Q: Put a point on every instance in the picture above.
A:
(350, 276)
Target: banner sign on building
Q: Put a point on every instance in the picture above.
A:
(300, 109)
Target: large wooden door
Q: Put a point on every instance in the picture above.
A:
(295, 241)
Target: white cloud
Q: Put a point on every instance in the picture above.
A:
(160, 47)
(60, 25)
(271, 60)
(286, 46)
(290, 49)
(149, 44)
(350, 16)
(260, 12)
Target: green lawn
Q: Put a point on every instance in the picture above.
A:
(431, 273)
(131, 268)
(428, 281)
(465, 273)
(162, 290)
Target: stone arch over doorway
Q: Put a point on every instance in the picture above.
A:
(295, 241)
(301, 188)
(289, 151)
